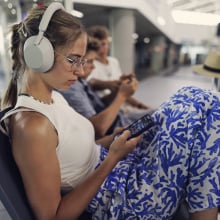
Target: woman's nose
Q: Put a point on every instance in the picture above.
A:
(80, 71)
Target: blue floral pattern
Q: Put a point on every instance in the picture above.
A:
(178, 158)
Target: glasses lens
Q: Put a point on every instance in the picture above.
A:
(71, 60)
(76, 61)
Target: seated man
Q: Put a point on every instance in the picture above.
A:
(107, 74)
(85, 100)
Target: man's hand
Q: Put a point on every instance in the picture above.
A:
(129, 76)
(128, 88)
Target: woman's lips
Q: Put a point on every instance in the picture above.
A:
(72, 81)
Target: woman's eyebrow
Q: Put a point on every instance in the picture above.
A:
(75, 55)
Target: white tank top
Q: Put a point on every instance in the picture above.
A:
(76, 151)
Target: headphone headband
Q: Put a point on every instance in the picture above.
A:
(52, 8)
(48, 14)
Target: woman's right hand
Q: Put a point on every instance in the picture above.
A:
(120, 147)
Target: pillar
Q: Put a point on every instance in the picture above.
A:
(158, 53)
(122, 26)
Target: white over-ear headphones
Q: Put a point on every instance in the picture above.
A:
(38, 50)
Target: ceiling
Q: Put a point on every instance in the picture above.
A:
(205, 6)
(143, 26)
(93, 12)
(208, 6)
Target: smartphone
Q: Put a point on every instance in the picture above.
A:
(138, 126)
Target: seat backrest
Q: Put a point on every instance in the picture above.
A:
(12, 192)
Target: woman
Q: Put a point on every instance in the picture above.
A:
(40, 134)
(54, 146)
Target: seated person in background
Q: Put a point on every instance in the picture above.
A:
(107, 74)
(54, 147)
(85, 100)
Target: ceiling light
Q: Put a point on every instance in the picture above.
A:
(77, 14)
(13, 11)
(10, 5)
(146, 40)
(161, 21)
(135, 36)
(196, 18)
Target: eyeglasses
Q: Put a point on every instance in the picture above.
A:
(74, 61)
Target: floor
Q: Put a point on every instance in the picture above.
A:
(154, 90)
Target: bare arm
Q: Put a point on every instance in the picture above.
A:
(98, 84)
(131, 100)
(136, 103)
(34, 142)
(209, 214)
(103, 120)
(106, 140)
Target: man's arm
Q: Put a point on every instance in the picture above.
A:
(103, 120)
(136, 103)
(209, 214)
(97, 84)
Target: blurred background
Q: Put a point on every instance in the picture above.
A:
(158, 39)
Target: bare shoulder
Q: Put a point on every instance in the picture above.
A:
(29, 126)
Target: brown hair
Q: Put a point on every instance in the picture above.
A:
(98, 31)
(92, 44)
(63, 28)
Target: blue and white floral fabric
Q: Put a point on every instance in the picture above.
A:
(179, 158)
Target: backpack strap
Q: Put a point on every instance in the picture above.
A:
(3, 112)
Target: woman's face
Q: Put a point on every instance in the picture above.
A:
(90, 56)
(68, 65)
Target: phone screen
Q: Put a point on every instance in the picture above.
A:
(139, 126)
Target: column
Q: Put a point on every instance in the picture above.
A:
(158, 53)
(5, 63)
(122, 26)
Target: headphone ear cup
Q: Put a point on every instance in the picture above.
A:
(39, 57)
